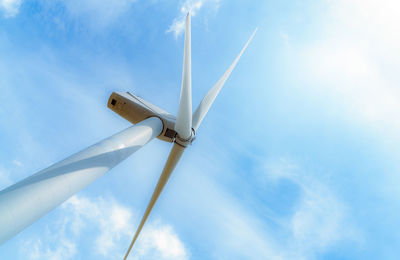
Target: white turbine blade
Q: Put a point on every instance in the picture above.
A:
(183, 124)
(209, 98)
(173, 158)
(26, 201)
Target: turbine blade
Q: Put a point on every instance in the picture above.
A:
(173, 158)
(28, 200)
(183, 124)
(209, 98)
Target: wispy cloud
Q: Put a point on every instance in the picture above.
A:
(10, 8)
(354, 60)
(36, 249)
(95, 13)
(99, 13)
(159, 241)
(192, 6)
(244, 224)
(109, 225)
(17, 163)
(320, 219)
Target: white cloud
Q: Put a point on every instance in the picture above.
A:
(243, 224)
(160, 242)
(10, 8)
(178, 25)
(226, 228)
(351, 63)
(17, 163)
(111, 226)
(351, 75)
(355, 59)
(279, 169)
(320, 219)
(98, 12)
(51, 244)
(35, 249)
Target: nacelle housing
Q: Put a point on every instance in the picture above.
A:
(134, 109)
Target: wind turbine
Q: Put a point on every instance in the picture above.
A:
(185, 125)
(26, 201)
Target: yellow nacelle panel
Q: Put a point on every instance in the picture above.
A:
(134, 109)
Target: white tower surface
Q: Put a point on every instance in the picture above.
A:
(26, 201)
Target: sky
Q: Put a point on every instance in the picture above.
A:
(297, 159)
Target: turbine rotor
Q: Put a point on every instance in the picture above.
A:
(186, 124)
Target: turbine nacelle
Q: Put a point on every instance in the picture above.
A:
(135, 109)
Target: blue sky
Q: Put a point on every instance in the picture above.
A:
(297, 159)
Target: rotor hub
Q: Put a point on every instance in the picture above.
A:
(185, 142)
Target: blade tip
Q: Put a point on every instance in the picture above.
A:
(188, 18)
(255, 31)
